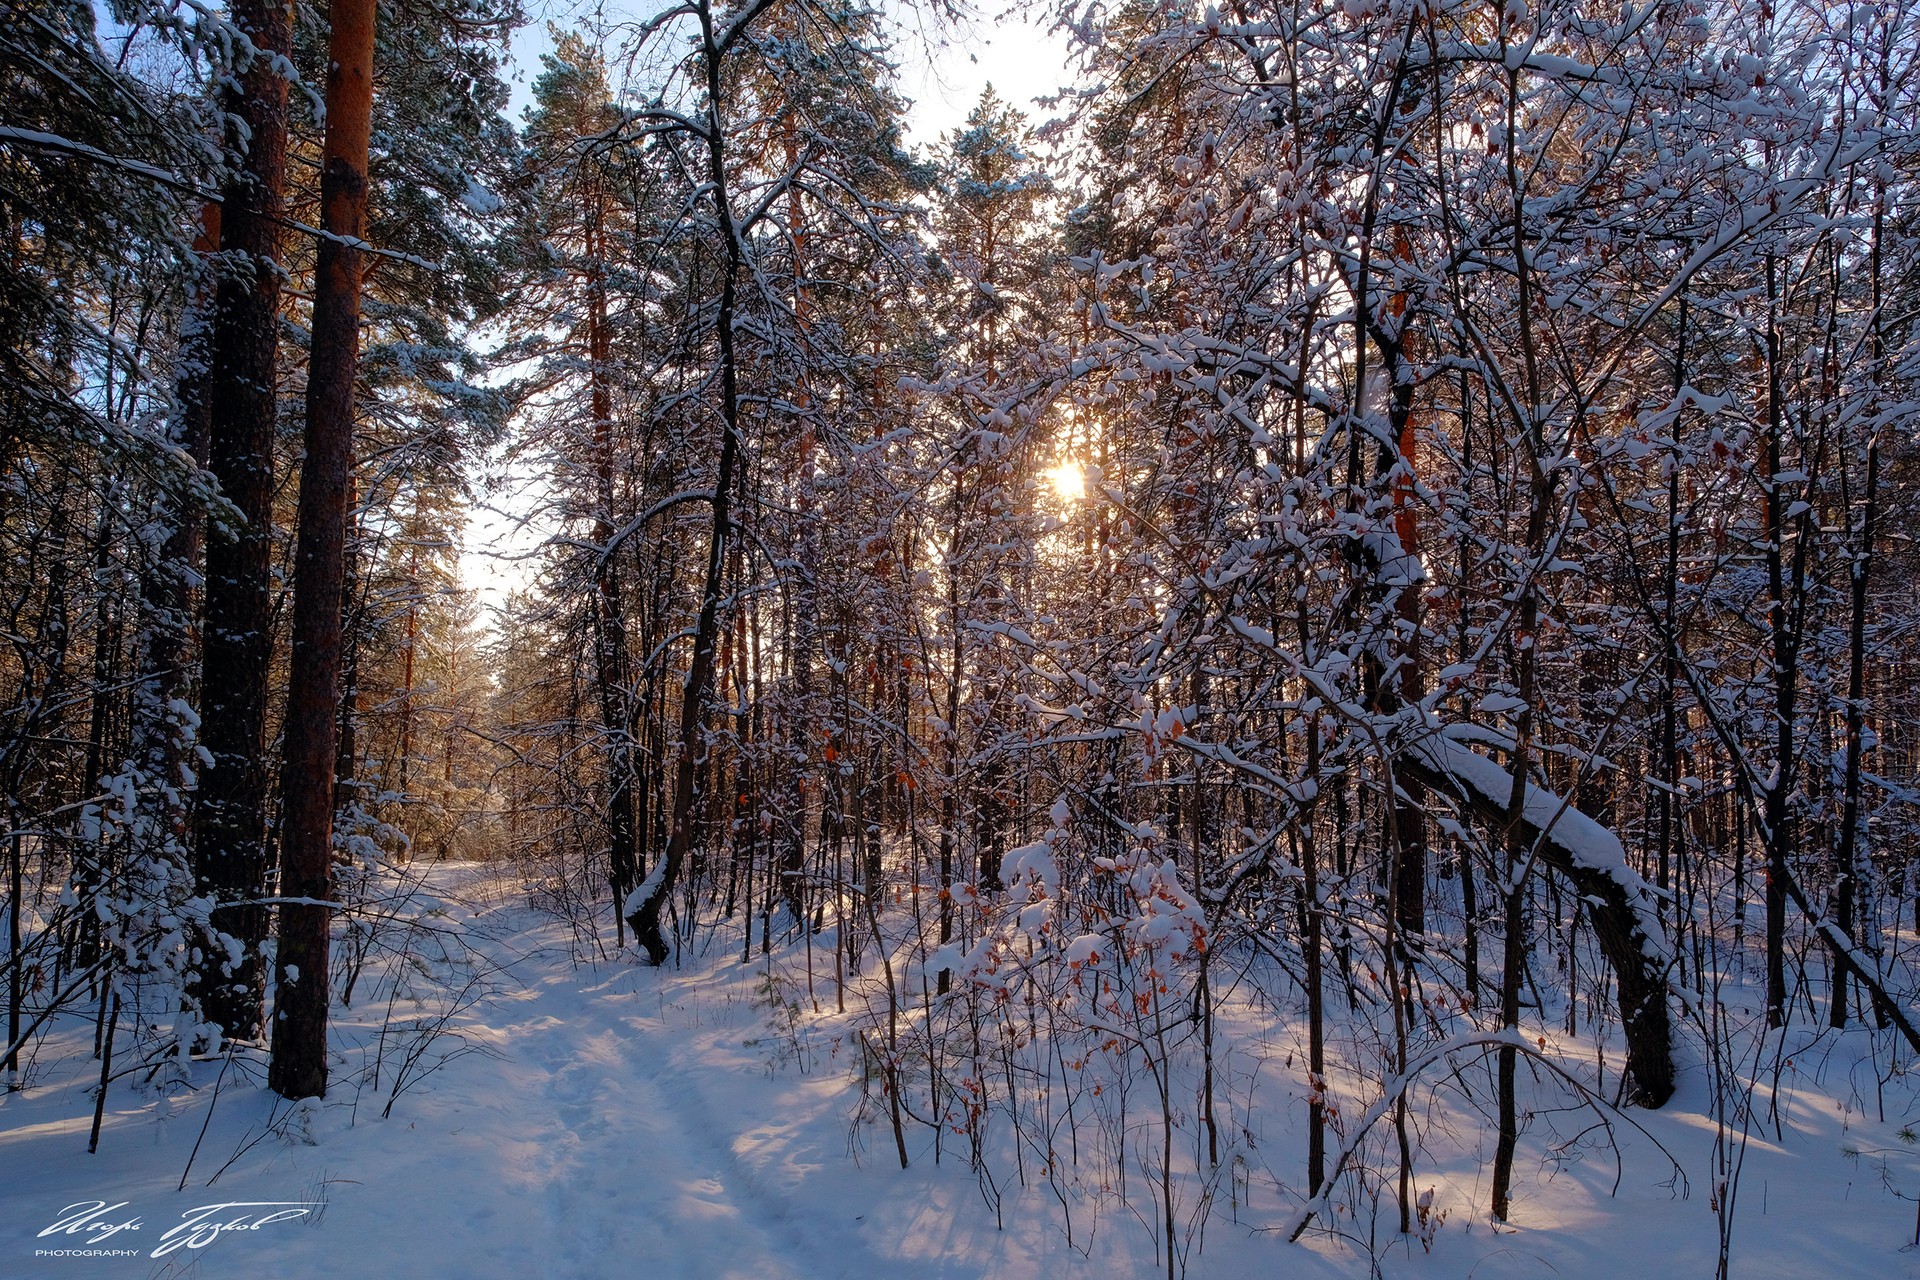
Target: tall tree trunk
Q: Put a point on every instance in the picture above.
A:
(160, 740)
(644, 906)
(299, 1065)
(1847, 856)
(1539, 491)
(230, 857)
(1859, 563)
(1409, 860)
(1311, 944)
(1785, 652)
(609, 616)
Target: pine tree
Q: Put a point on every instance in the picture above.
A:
(302, 973)
(230, 852)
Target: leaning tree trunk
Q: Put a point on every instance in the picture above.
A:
(1622, 906)
(230, 855)
(299, 1065)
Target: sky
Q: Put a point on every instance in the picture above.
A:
(1015, 53)
(942, 73)
(941, 70)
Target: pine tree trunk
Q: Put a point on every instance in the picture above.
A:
(230, 858)
(1513, 884)
(299, 1065)
(609, 615)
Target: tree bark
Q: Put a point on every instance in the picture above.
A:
(1784, 592)
(609, 614)
(1848, 864)
(299, 1065)
(644, 906)
(230, 857)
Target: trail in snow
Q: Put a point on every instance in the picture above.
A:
(611, 1130)
(616, 1121)
(621, 1122)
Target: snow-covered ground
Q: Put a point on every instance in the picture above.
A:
(611, 1120)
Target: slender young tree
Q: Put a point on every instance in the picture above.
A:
(645, 904)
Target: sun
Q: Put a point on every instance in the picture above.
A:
(1069, 481)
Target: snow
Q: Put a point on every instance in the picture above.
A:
(1032, 865)
(478, 199)
(700, 1124)
(1085, 949)
(645, 889)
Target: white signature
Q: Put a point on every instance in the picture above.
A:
(97, 1220)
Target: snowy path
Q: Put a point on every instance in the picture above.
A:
(622, 1137)
(629, 1124)
(613, 1126)
(632, 1160)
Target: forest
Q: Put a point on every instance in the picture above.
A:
(1289, 653)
